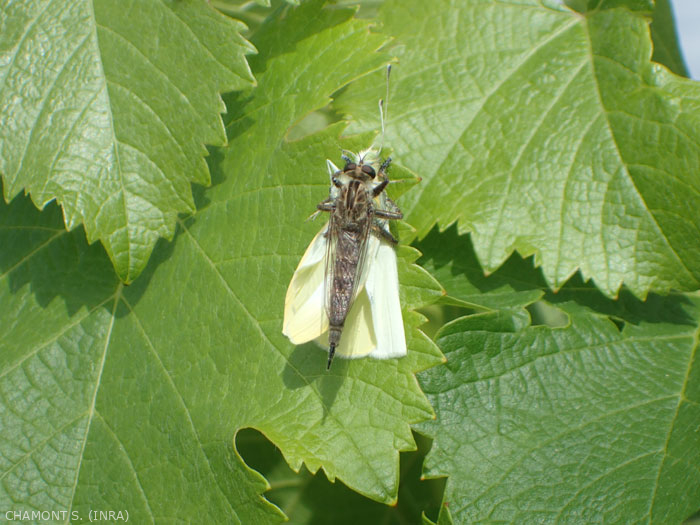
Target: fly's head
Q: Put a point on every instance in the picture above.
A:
(365, 166)
(362, 166)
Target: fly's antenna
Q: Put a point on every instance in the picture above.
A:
(384, 108)
(347, 156)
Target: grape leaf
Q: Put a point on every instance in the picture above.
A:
(458, 270)
(106, 107)
(251, 13)
(546, 131)
(595, 421)
(129, 397)
(307, 499)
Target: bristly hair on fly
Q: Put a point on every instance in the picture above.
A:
(344, 293)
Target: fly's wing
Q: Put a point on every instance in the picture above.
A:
(359, 338)
(329, 263)
(360, 332)
(382, 288)
(304, 314)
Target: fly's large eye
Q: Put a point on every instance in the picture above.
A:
(369, 170)
(350, 166)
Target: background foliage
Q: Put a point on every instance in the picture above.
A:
(559, 166)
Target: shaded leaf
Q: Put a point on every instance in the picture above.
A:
(450, 258)
(664, 35)
(308, 499)
(106, 106)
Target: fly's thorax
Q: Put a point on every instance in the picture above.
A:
(353, 205)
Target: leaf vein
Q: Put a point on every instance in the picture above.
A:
(44, 101)
(609, 126)
(98, 381)
(122, 449)
(542, 444)
(181, 400)
(681, 397)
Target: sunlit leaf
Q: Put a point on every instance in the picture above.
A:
(105, 107)
(547, 131)
(129, 397)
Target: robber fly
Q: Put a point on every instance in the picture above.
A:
(345, 294)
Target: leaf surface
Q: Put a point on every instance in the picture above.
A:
(547, 131)
(594, 421)
(458, 270)
(129, 397)
(105, 107)
(312, 499)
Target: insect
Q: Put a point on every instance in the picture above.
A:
(345, 292)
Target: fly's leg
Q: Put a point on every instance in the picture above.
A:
(382, 171)
(392, 205)
(326, 205)
(392, 212)
(389, 214)
(385, 165)
(384, 234)
(380, 187)
(313, 216)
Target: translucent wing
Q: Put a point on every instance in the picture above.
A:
(358, 339)
(329, 263)
(331, 254)
(304, 314)
(368, 241)
(374, 326)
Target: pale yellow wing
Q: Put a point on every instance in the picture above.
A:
(358, 339)
(305, 318)
(382, 288)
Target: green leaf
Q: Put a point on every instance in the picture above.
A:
(594, 421)
(106, 106)
(129, 397)
(306, 498)
(453, 262)
(663, 33)
(546, 131)
(251, 12)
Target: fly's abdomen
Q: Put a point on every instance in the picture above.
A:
(347, 257)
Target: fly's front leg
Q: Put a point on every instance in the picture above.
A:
(385, 165)
(326, 205)
(379, 188)
(392, 212)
